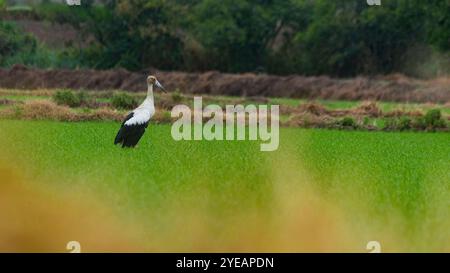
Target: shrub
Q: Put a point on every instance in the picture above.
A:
(420, 123)
(83, 97)
(404, 123)
(347, 122)
(123, 101)
(439, 124)
(67, 97)
(46, 110)
(366, 121)
(433, 119)
(19, 47)
(390, 124)
(177, 96)
(13, 41)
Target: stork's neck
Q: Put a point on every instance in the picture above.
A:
(150, 94)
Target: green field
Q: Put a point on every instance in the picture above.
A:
(392, 187)
(22, 96)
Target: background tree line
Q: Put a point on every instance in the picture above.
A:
(311, 37)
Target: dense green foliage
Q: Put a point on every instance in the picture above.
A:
(123, 100)
(346, 38)
(348, 122)
(433, 119)
(339, 38)
(384, 181)
(69, 98)
(19, 47)
(12, 41)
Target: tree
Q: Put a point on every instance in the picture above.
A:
(135, 34)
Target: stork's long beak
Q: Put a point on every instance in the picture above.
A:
(159, 85)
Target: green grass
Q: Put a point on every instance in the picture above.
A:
(222, 100)
(384, 106)
(23, 98)
(396, 182)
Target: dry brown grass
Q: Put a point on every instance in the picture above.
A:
(367, 108)
(401, 113)
(7, 102)
(104, 114)
(386, 88)
(37, 92)
(312, 108)
(309, 115)
(308, 120)
(46, 110)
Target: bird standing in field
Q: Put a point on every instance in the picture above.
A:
(135, 123)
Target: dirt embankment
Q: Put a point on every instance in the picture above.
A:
(383, 88)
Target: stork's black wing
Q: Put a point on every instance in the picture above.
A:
(120, 134)
(129, 135)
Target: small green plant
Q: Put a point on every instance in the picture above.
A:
(390, 124)
(123, 101)
(404, 123)
(433, 119)
(166, 116)
(83, 97)
(420, 123)
(366, 121)
(440, 124)
(177, 96)
(348, 122)
(18, 111)
(67, 97)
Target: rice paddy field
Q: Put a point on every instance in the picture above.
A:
(321, 191)
(362, 99)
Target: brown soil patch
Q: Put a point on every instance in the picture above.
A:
(383, 88)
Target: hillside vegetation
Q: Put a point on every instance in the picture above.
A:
(338, 38)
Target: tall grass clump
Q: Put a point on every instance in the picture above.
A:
(69, 98)
(123, 100)
(404, 123)
(347, 122)
(431, 121)
(177, 97)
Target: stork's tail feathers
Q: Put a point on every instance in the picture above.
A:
(119, 137)
(129, 136)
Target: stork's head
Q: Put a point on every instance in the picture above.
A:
(151, 80)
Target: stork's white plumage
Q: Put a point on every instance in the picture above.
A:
(135, 123)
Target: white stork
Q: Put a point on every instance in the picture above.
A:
(135, 123)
